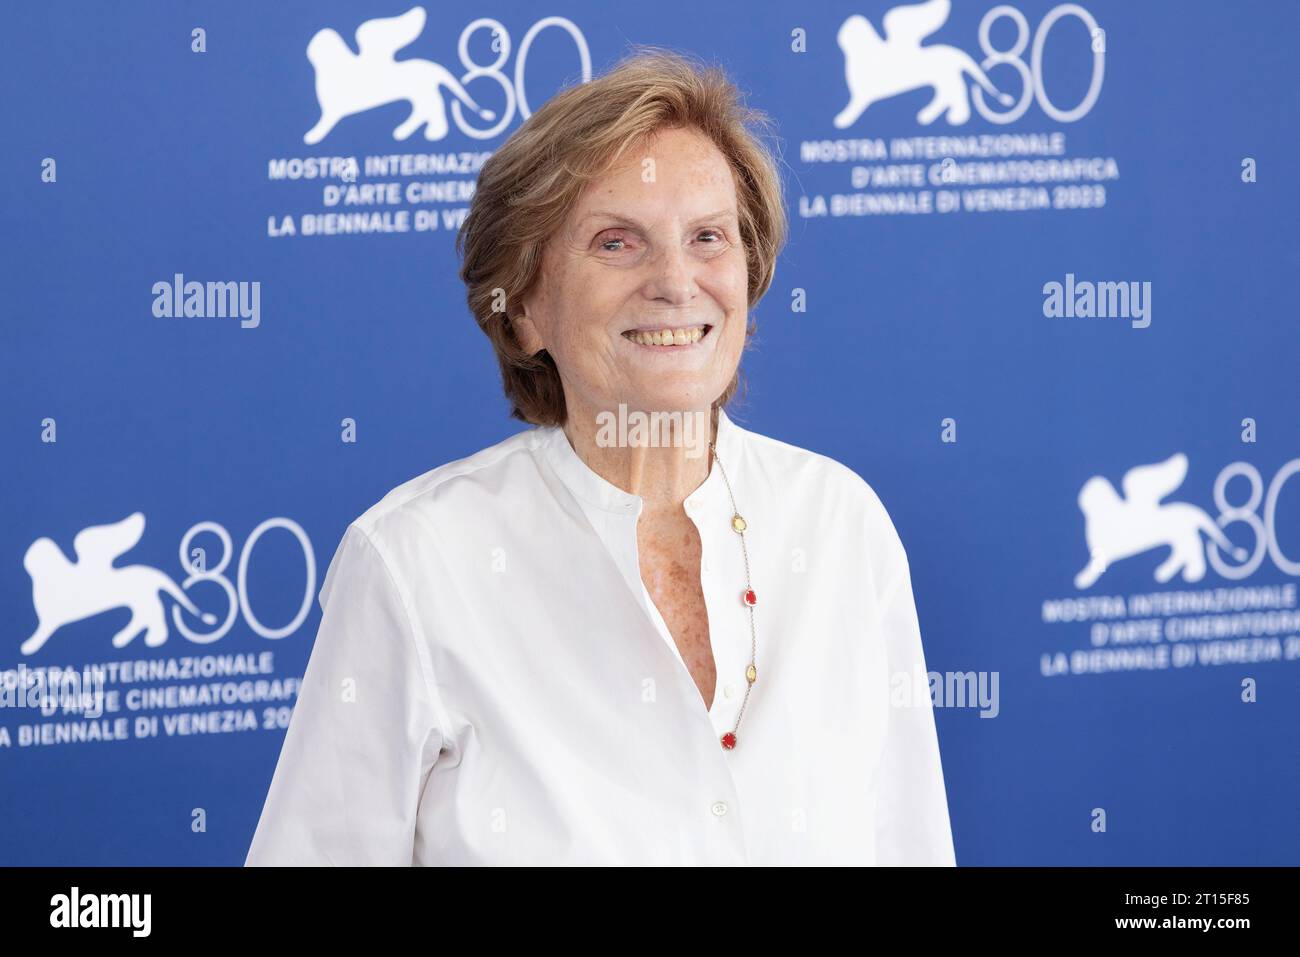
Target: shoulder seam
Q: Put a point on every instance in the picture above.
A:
(528, 443)
(421, 649)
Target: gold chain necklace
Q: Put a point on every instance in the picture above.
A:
(739, 525)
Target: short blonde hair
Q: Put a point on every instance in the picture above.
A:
(527, 188)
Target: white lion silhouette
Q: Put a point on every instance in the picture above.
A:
(349, 83)
(64, 592)
(877, 69)
(1116, 528)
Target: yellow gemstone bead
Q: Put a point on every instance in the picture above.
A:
(738, 523)
(751, 673)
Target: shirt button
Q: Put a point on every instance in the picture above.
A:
(729, 690)
(708, 563)
(719, 808)
(692, 504)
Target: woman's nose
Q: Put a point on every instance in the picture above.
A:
(672, 276)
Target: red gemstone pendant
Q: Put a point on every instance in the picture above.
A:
(728, 740)
(749, 598)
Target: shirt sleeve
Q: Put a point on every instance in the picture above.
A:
(912, 825)
(364, 734)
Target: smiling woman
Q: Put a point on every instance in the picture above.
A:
(649, 271)
(656, 166)
(579, 646)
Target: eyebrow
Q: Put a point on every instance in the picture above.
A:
(629, 221)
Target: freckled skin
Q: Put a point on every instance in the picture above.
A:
(670, 567)
(648, 252)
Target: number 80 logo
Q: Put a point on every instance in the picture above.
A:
(237, 593)
(515, 95)
(1031, 75)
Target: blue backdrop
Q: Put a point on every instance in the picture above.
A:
(1146, 153)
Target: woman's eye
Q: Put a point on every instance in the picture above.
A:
(715, 238)
(612, 242)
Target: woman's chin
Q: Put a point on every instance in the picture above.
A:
(689, 399)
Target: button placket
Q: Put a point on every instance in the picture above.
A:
(722, 641)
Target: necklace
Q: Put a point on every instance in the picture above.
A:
(739, 525)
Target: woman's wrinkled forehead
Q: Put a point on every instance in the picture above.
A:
(627, 192)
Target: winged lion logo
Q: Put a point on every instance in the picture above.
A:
(877, 69)
(64, 591)
(1117, 527)
(348, 83)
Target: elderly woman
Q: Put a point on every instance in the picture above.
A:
(635, 633)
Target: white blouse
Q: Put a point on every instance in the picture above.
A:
(492, 683)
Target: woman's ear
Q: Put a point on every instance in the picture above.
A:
(526, 333)
(529, 317)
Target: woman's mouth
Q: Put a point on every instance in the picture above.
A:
(668, 338)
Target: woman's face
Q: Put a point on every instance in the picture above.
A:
(652, 245)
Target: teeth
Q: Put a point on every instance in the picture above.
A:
(668, 337)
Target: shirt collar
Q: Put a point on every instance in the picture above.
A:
(592, 488)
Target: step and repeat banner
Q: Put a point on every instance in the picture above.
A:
(233, 322)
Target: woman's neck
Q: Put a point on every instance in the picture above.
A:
(662, 457)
